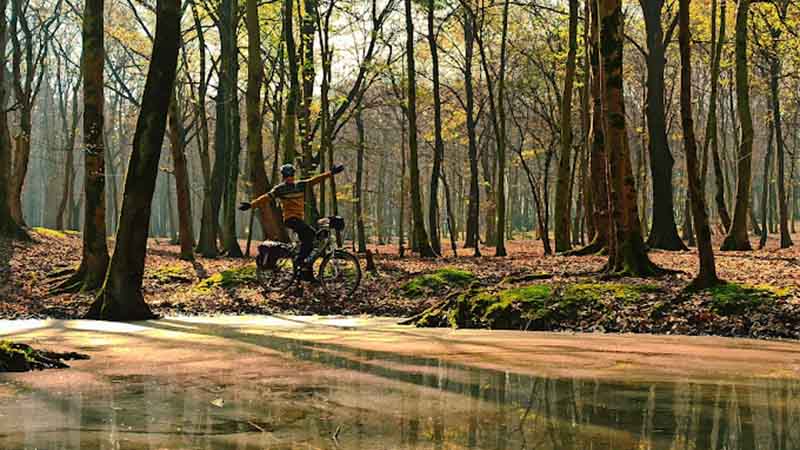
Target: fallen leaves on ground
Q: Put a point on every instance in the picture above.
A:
(171, 285)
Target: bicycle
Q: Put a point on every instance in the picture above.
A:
(338, 271)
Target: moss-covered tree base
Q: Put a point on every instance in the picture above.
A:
(726, 309)
(633, 261)
(532, 307)
(15, 357)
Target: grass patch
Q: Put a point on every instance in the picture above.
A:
(229, 278)
(733, 298)
(437, 281)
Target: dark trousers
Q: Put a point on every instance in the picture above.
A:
(306, 235)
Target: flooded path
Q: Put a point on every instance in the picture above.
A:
(298, 382)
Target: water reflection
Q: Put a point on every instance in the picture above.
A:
(371, 400)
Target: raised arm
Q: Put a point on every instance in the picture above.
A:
(259, 202)
(262, 201)
(315, 180)
(338, 168)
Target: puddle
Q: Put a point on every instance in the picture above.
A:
(323, 395)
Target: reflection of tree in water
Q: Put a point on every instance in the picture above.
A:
(385, 400)
(512, 411)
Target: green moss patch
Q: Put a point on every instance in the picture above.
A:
(49, 232)
(608, 291)
(16, 357)
(733, 298)
(525, 278)
(170, 274)
(502, 309)
(437, 282)
(229, 278)
(540, 306)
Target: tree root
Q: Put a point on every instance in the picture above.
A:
(61, 273)
(446, 303)
(70, 282)
(594, 248)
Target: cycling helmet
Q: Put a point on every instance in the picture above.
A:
(287, 170)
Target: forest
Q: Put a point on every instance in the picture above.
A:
(546, 164)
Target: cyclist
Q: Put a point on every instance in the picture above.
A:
(291, 194)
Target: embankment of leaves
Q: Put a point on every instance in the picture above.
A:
(735, 310)
(16, 357)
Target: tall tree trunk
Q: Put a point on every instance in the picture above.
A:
(586, 117)
(171, 230)
(541, 219)
(22, 141)
(627, 253)
(712, 137)
(768, 158)
(380, 204)
(359, 197)
(290, 115)
(438, 147)
(707, 275)
(121, 298)
(563, 198)
(111, 156)
(420, 235)
(451, 220)
(207, 242)
(307, 31)
(500, 247)
(497, 113)
(8, 226)
(793, 182)
(401, 220)
(229, 94)
(69, 129)
(664, 231)
(472, 239)
(94, 260)
(688, 225)
(783, 214)
(269, 217)
(325, 143)
(563, 191)
(737, 238)
(177, 139)
(598, 158)
(754, 224)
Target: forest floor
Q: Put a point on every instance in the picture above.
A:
(522, 291)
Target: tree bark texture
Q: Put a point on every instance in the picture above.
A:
(121, 297)
(737, 238)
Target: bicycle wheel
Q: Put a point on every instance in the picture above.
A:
(340, 274)
(278, 279)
